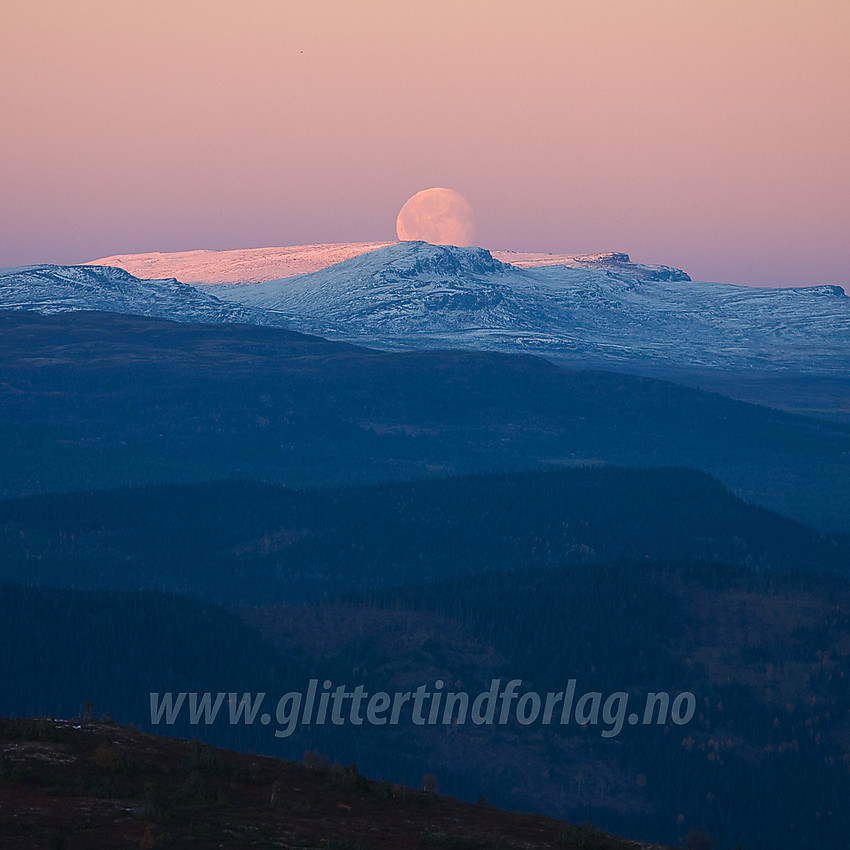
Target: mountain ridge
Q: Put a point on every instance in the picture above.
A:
(258, 265)
(413, 296)
(98, 400)
(49, 288)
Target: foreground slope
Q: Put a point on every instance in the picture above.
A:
(79, 785)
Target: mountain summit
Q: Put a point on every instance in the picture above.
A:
(599, 310)
(604, 310)
(259, 265)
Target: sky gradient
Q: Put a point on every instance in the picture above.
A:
(712, 136)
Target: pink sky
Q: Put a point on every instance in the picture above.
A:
(712, 136)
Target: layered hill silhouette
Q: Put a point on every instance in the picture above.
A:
(97, 400)
(198, 499)
(246, 543)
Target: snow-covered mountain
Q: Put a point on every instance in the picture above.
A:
(612, 261)
(55, 289)
(241, 265)
(415, 295)
(598, 310)
(258, 265)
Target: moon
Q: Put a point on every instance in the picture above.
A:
(439, 216)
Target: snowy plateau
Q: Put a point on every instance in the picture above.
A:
(597, 309)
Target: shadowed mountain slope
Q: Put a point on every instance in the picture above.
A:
(95, 400)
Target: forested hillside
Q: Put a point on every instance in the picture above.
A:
(764, 653)
(239, 542)
(94, 400)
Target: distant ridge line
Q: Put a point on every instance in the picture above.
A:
(260, 265)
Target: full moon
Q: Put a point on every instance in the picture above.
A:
(438, 216)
